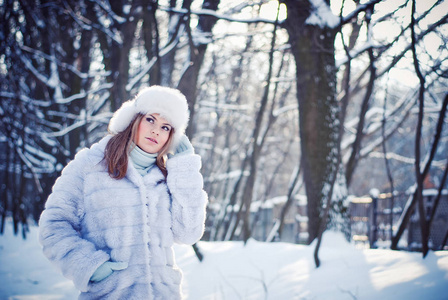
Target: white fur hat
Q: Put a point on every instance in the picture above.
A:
(170, 103)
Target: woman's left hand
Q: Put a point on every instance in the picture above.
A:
(184, 147)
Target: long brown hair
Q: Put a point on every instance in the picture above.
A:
(119, 147)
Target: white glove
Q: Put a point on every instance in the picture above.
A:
(184, 147)
(106, 269)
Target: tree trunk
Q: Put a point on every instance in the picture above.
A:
(150, 32)
(356, 146)
(257, 143)
(189, 79)
(313, 50)
(418, 174)
(116, 56)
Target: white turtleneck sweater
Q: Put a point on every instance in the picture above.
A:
(142, 160)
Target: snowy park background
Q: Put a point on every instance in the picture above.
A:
(256, 271)
(299, 110)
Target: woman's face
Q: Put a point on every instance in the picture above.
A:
(153, 133)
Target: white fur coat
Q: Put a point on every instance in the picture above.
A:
(91, 218)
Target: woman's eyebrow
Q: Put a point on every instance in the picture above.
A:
(152, 116)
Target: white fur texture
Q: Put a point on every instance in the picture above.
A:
(169, 103)
(91, 218)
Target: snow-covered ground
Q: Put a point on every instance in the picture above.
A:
(258, 270)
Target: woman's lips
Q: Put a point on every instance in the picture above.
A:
(152, 140)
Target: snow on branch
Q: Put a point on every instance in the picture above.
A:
(212, 13)
(80, 95)
(284, 109)
(102, 118)
(53, 59)
(360, 8)
(30, 166)
(167, 49)
(106, 7)
(357, 51)
(25, 98)
(322, 16)
(394, 156)
(60, 100)
(202, 38)
(224, 107)
(440, 164)
(40, 76)
(140, 75)
(224, 176)
(83, 22)
(83, 94)
(104, 26)
(44, 159)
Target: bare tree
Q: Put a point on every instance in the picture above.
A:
(313, 48)
(414, 198)
(68, 79)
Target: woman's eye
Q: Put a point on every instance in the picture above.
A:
(150, 120)
(166, 128)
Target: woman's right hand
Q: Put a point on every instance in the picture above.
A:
(106, 269)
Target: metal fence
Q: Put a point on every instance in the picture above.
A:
(374, 219)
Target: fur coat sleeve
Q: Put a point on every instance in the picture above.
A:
(60, 227)
(189, 200)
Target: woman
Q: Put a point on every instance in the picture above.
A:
(118, 207)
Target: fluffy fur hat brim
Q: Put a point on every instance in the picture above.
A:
(170, 103)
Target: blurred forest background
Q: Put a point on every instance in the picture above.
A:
(295, 104)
